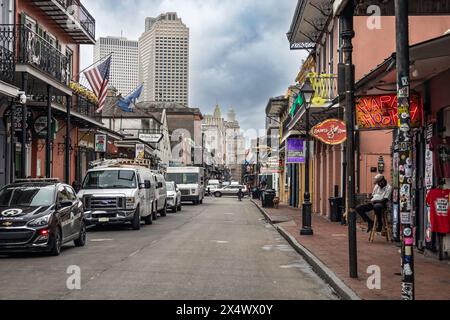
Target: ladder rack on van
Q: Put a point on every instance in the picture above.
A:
(118, 162)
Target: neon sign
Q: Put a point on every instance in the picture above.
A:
(381, 112)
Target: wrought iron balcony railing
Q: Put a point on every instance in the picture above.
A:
(325, 87)
(36, 51)
(64, 11)
(7, 53)
(85, 108)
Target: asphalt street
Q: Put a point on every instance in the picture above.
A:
(222, 249)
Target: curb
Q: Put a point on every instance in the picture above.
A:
(342, 290)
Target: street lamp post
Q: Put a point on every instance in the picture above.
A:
(308, 93)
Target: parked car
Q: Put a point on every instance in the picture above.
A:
(40, 215)
(232, 190)
(213, 186)
(160, 194)
(119, 194)
(173, 196)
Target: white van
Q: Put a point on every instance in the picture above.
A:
(119, 194)
(160, 194)
(190, 181)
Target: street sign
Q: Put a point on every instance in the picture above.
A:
(151, 138)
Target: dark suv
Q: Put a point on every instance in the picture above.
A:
(40, 215)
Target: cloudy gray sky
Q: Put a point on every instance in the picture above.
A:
(239, 53)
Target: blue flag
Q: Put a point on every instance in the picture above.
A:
(127, 104)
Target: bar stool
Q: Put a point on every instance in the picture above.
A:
(387, 229)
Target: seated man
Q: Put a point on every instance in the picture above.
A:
(380, 199)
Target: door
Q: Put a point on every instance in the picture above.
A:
(65, 214)
(75, 212)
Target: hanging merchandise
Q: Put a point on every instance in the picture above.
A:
(438, 200)
(441, 151)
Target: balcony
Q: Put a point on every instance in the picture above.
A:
(325, 87)
(71, 16)
(37, 52)
(7, 54)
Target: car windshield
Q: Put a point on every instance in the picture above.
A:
(183, 178)
(27, 196)
(110, 179)
(170, 187)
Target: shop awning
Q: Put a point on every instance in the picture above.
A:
(428, 59)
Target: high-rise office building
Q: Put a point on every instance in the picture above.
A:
(164, 59)
(124, 62)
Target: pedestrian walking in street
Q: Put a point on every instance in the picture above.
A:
(381, 196)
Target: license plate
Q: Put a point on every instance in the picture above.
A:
(103, 220)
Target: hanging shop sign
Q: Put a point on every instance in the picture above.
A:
(331, 131)
(151, 138)
(273, 165)
(295, 150)
(381, 112)
(18, 117)
(100, 142)
(40, 126)
(140, 151)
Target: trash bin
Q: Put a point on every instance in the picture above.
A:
(336, 206)
(255, 193)
(268, 196)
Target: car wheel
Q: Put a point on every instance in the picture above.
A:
(56, 243)
(149, 219)
(164, 211)
(136, 223)
(81, 241)
(217, 194)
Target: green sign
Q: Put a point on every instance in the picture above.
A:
(298, 103)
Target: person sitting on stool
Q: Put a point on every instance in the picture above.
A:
(380, 199)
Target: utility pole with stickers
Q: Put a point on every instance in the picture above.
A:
(405, 148)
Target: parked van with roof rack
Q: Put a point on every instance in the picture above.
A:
(119, 191)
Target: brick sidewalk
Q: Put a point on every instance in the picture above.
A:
(330, 245)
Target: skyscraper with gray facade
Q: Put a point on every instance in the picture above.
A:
(164, 59)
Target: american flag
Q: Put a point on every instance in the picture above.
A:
(98, 78)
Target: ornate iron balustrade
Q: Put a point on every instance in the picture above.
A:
(86, 108)
(325, 87)
(75, 9)
(7, 53)
(36, 51)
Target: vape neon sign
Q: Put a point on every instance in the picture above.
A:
(381, 112)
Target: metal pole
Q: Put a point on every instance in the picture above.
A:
(67, 143)
(48, 148)
(347, 35)
(405, 147)
(23, 163)
(307, 205)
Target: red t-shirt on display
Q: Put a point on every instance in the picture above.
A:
(438, 200)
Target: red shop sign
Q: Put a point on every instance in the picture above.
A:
(381, 112)
(331, 131)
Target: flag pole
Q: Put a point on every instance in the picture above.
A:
(101, 59)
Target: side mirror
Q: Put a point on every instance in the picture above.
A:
(65, 204)
(147, 184)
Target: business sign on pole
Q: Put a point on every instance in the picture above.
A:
(140, 151)
(100, 142)
(381, 112)
(151, 138)
(331, 131)
(295, 150)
